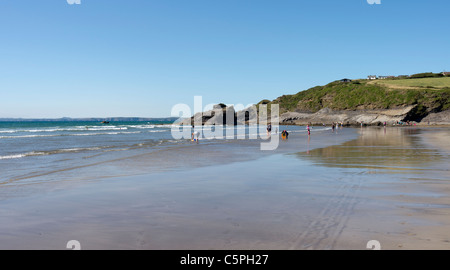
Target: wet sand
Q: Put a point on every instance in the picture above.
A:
(402, 190)
(390, 185)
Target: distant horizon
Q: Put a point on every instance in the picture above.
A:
(89, 118)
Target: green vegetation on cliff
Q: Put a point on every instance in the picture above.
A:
(433, 83)
(429, 95)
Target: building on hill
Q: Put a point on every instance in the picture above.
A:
(372, 77)
(383, 77)
(445, 73)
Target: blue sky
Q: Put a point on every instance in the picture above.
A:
(141, 57)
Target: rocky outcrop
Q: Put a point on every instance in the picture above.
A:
(219, 115)
(440, 118)
(328, 116)
(223, 115)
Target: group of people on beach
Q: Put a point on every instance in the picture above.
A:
(336, 125)
(284, 134)
(407, 123)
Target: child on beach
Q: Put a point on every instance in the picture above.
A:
(195, 135)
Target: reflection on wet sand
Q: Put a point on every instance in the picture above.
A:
(401, 177)
(392, 149)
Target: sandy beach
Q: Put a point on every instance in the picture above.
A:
(336, 191)
(225, 127)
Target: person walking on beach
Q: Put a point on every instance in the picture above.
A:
(309, 130)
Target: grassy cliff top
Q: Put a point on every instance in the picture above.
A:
(431, 94)
(418, 84)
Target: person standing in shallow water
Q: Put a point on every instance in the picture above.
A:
(309, 130)
(269, 129)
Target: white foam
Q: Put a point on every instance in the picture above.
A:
(57, 129)
(7, 131)
(142, 126)
(166, 126)
(46, 153)
(13, 156)
(74, 134)
(27, 136)
(156, 131)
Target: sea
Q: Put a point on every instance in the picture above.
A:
(47, 151)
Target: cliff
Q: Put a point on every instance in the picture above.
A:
(369, 102)
(354, 102)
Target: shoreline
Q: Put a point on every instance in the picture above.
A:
(303, 200)
(371, 125)
(174, 157)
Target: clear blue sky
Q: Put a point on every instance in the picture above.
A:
(140, 57)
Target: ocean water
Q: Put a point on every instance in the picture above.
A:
(41, 152)
(26, 139)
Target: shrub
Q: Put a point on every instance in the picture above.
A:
(426, 75)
